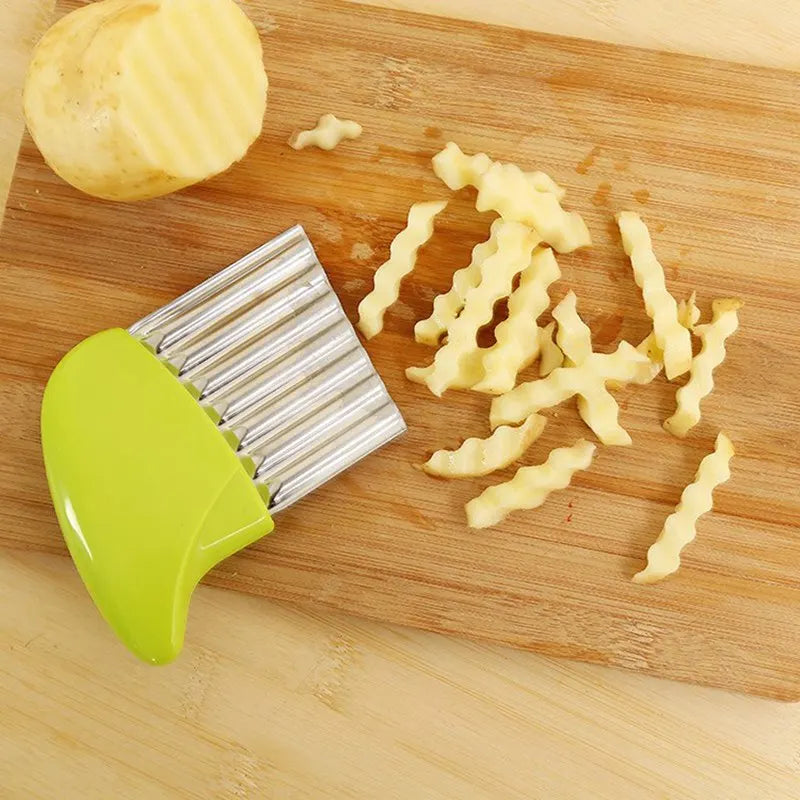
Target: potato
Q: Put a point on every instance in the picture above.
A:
(132, 99)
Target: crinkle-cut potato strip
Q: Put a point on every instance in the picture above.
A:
(688, 312)
(457, 170)
(470, 371)
(573, 336)
(600, 411)
(517, 337)
(550, 355)
(624, 365)
(672, 337)
(531, 486)
(402, 258)
(503, 188)
(724, 323)
(478, 457)
(447, 306)
(328, 133)
(515, 244)
(596, 405)
(680, 528)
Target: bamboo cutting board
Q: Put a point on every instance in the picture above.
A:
(707, 151)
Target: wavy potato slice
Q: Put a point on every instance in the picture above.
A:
(671, 336)
(478, 457)
(329, 132)
(680, 528)
(724, 323)
(530, 487)
(596, 405)
(447, 306)
(517, 337)
(402, 258)
(457, 170)
(588, 380)
(515, 243)
(469, 372)
(504, 188)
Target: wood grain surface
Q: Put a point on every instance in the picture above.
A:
(706, 150)
(472, 720)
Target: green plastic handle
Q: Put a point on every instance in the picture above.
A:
(148, 492)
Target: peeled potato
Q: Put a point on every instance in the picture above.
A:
(132, 99)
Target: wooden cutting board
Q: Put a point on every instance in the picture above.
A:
(707, 151)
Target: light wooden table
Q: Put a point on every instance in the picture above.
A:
(272, 702)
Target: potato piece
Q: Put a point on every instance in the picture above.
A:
(457, 170)
(329, 132)
(672, 337)
(132, 99)
(624, 365)
(596, 405)
(402, 258)
(517, 337)
(530, 487)
(701, 378)
(688, 312)
(574, 338)
(506, 189)
(447, 306)
(550, 353)
(478, 457)
(680, 528)
(515, 245)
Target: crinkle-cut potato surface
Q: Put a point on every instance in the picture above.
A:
(132, 99)
(476, 457)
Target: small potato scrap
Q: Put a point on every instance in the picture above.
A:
(724, 323)
(550, 355)
(680, 528)
(328, 133)
(504, 188)
(530, 487)
(457, 170)
(625, 365)
(403, 257)
(447, 306)
(671, 336)
(648, 347)
(688, 312)
(478, 457)
(515, 243)
(517, 339)
(573, 337)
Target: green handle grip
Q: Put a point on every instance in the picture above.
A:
(148, 493)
